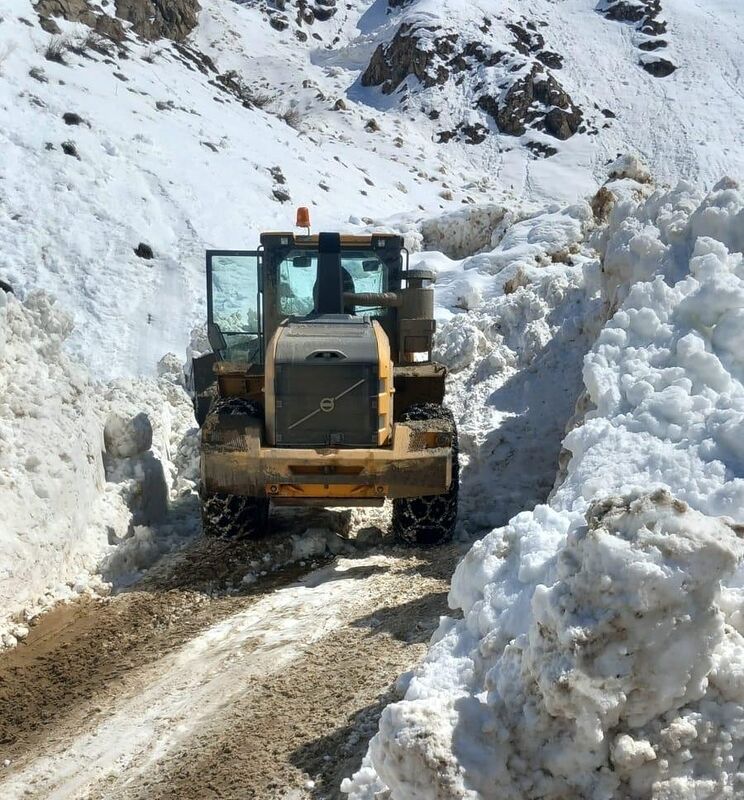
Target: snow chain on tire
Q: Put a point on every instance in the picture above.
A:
(429, 521)
(233, 516)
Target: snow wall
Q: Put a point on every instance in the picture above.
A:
(600, 651)
(80, 510)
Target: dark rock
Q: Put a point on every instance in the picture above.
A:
(71, 118)
(278, 176)
(541, 150)
(474, 134)
(279, 23)
(644, 15)
(281, 195)
(526, 42)
(339, 105)
(607, 113)
(233, 84)
(150, 19)
(144, 251)
(195, 58)
(550, 59)
(621, 11)
(78, 11)
(652, 44)
(653, 27)
(520, 106)
(660, 68)
(6, 287)
(38, 74)
(69, 149)
(405, 55)
(323, 14)
(372, 125)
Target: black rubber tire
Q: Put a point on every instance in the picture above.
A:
(233, 516)
(429, 521)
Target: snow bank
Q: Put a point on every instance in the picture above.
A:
(67, 511)
(51, 470)
(467, 230)
(515, 358)
(600, 654)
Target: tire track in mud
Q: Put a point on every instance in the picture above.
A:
(179, 694)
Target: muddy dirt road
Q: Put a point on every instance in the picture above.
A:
(196, 685)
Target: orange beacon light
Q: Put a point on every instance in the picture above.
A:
(303, 218)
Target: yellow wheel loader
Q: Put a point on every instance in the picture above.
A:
(320, 389)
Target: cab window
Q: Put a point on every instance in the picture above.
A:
(362, 271)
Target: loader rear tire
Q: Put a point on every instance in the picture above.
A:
(429, 521)
(233, 516)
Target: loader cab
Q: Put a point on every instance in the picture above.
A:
(308, 276)
(250, 293)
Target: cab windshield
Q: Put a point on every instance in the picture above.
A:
(362, 271)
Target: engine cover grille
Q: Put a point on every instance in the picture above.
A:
(326, 406)
(326, 384)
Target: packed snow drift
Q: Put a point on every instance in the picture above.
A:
(92, 477)
(600, 650)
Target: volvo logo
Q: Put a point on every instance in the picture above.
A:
(327, 404)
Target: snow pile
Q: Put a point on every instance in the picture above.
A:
(64, 505)
(601, 653)
(50, 457)
(666, 373)
(515, 358)
(604, 683)
(467, 230)
(152, 469)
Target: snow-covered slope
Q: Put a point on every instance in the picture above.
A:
(186, 145)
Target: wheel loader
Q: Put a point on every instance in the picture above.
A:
(320, 389)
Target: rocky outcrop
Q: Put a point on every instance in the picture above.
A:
(391, 64)
(285, 14)
(535, 100)
(78, 11)
(150, 19)
(160, 19)
(510, 85)
(646, 17)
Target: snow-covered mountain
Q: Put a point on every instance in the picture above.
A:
(114, 135)
(588, 306)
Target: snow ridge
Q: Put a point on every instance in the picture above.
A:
(600, 651)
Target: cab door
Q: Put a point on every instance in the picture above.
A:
(234, 297)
